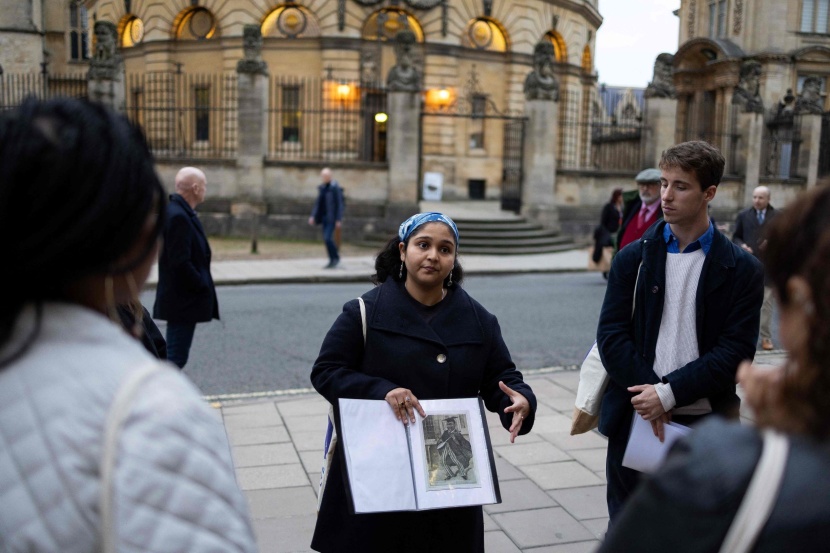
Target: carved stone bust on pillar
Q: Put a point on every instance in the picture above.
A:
(106, 64)
(404, 76)
(810, 101)
(252, 47)
(662, 84)
(747, 93)
(541, 83)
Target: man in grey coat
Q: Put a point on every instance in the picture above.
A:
(749, 235)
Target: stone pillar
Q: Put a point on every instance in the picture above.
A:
(252, 76)
(751, 130)
(402, 147)
(810, 148)
(538, 197)
(661, 127)
(542, 110)
(106, 78)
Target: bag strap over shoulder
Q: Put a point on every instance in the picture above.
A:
(118, 412)
(363, 317)
(760, 497)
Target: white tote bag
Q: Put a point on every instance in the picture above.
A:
(593, 379)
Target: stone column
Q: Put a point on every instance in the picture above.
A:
(751, 131)
(810, 147)
(538, 198)
(252, 76)
(402, 146)
(403, 130)
(542, 110)
(106, 78)
(661, 127)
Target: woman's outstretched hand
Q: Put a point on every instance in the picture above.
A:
(403, 404)
(520, 409)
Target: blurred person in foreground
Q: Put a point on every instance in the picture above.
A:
(80, 196)
(691, 502)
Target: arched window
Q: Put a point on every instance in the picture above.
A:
(290, 20)
(560, 50)
(484, 33)
(587, 59)
(385, 23)
(131, 31)
(195, 24)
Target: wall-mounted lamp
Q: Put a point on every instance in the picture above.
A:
(444, 95)
(381, 118)
(343, 91)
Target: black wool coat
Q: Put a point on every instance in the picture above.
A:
(185, 292)
(402, 350)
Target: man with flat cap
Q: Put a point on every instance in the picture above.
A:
(640, 211)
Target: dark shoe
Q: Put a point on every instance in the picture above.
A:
(766, 344)
(330, 265)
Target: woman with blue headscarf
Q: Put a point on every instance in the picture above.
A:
(426, 338)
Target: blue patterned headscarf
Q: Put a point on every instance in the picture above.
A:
(408, 227)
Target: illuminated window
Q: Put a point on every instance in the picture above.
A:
(485, 34)
(290, 21)
(78, 32)
(132, 32)
(587, 59)
(560, 51)
(814, 16)
(385, 23)
(196, 24)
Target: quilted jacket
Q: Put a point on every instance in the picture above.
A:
(174, 482)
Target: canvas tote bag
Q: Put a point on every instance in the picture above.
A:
(593, 379)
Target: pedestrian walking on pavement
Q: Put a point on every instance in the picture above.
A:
(698, 300)
(609, 222)
(328, 212)
(185, 294)
(749, 234)
(689, 505)
(102, 446)
(426, 338)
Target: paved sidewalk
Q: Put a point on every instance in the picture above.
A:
(552, 484)
(359, 269)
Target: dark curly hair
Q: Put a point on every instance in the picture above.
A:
(798, 244)
(77, 185)
(388, 265)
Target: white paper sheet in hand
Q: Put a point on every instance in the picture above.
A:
(645, 452)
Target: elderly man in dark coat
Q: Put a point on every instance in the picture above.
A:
(186, 294)
(641, 209)
(749, 230)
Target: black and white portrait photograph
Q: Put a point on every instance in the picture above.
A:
(448, 451)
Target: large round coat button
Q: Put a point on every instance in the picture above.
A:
(441, 358)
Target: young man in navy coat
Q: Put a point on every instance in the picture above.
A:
(185, 294)
(696, 317)
(328, 211)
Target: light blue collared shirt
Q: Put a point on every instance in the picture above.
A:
(703, 243)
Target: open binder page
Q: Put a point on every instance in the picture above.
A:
(450, 459)
(377, 457)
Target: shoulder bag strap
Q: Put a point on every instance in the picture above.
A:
(118, 412)
(634, 296)
(363, 317)
(760, 497)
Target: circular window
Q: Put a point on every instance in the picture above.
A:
(201, 23)
(292, 22)
(132, 33)
(481, 35)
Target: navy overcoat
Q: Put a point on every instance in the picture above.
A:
(460, 353)
(185, 292)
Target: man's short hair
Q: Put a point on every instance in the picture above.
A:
(698, 157)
